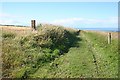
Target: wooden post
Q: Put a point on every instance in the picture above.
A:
(33, 26)
(109, 38)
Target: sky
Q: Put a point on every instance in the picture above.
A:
(69, 14)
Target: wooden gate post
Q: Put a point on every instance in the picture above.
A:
(109, 38)
(33, 24)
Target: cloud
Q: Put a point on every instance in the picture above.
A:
(73, 22)
(5, 15)
(9, 19)
(112, 20)
(10, 22)
(66, 21)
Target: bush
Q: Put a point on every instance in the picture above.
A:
(42, 40)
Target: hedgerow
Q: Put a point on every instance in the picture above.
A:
(26, 54)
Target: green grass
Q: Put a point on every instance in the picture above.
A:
(106, 54)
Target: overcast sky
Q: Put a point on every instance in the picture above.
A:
(71, 14)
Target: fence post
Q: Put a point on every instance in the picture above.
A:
(109, 38)
(33, 24)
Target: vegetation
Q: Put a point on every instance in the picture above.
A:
(58, 52)
(92, 58)
(25, 54)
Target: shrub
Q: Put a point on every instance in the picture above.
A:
(49, 36)
(42, 40)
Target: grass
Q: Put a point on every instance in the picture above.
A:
(106, 54)
(58, 52)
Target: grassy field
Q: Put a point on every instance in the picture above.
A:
(58, 52)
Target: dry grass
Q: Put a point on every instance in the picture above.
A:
(15, 28)
(114, 34)
(21, 31)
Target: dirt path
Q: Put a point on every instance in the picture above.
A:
(93, 52)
